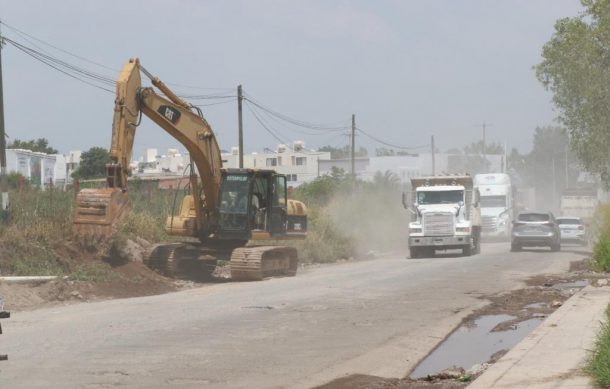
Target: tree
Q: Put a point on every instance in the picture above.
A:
(93, 163)
(545, 165)
(343, 152)
(40, 145)
(388, 180)
(575, 69)
(490, 148)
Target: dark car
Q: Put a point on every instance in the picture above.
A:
(535, 229)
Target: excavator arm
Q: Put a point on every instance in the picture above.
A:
(98, 211)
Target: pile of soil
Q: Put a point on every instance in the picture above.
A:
(132, 279)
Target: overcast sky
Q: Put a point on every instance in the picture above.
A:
(407, 69)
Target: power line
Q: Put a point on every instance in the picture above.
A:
(276, 120)
(20, 32)
(388, 143)
(296, 122)
(260, 121)
(57, 65)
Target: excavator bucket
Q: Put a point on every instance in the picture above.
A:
(99, 211)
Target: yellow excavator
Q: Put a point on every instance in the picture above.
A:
(226, 208)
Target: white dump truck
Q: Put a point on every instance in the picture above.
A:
(446, 215)
(496, 204)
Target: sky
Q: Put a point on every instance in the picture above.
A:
(406, 69)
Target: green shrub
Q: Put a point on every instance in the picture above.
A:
(599, 364)
(601, 229)
(324, 242)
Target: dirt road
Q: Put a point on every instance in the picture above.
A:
(374, 317)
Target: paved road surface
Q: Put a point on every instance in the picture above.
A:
(374, 317)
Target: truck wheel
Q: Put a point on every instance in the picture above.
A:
(414, 253)
(556, 247)
(467, 251)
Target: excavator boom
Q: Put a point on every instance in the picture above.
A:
(99, 211)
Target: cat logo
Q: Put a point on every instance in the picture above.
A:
(169, 113)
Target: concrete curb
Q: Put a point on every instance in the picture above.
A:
(553, 355)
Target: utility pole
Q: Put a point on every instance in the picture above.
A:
(433, 152)
(240, 98)
(485, 146)
(567, 170)
(3, 178)
(353, 165)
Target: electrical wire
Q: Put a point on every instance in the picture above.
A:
(23, 33)
(217, 103)
(277, 121)
(270, 131)
(388, 143)
(296, 122)
(57, 66)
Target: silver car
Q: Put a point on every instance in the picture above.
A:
(535, 229)
(573, 230)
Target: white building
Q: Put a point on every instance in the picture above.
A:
(297, 163)
(407, 166)
(38, 168)
(152, 163)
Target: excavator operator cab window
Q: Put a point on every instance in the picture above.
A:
(259, 203)
(233, 208)
(278, 209)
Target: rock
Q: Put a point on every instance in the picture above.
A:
(602, 282)
(478, 368)
(452, 373)
(556, 304)
(76, 294)
(131, 251)
(142, 242)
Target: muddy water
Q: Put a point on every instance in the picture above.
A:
(571, 285)
(473, 344)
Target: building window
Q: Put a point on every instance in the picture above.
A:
(291, 177)
(279, 161)
(301, 161)
(271, 161)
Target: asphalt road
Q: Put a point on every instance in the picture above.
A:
(373, 317)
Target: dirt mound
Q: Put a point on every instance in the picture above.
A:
(130, 280)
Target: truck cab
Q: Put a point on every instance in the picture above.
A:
(445, 213)
(496, 204)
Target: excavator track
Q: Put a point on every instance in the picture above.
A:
(256, 263)
(182, 261)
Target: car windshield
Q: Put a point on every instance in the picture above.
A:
(574, 221)
(440, 197)
(534, 217)
(493, 201)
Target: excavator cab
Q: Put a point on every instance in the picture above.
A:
(252, 205)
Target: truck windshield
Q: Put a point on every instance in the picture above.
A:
(438, 197)
(493, 201)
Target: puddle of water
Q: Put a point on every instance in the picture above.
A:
(470, 345)
(571, 285)
(536, 305)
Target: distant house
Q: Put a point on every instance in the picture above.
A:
(297, 163)
(38, 168)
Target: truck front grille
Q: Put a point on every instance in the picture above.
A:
(438, 224)
(489, 223)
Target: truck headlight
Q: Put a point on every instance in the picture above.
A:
(462, 229)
